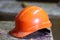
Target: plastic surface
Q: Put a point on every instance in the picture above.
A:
(29, 20)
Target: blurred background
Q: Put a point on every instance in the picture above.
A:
(10, 8)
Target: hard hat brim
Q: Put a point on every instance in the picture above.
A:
(19, 34)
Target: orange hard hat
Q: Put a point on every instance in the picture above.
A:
(29, 20)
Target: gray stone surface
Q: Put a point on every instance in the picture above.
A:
(6, 26)
(10, 6)
(15, 7)
(9, 9)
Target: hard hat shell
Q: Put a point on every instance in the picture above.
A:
(29, 20)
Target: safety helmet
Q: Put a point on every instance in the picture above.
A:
(29, 20)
